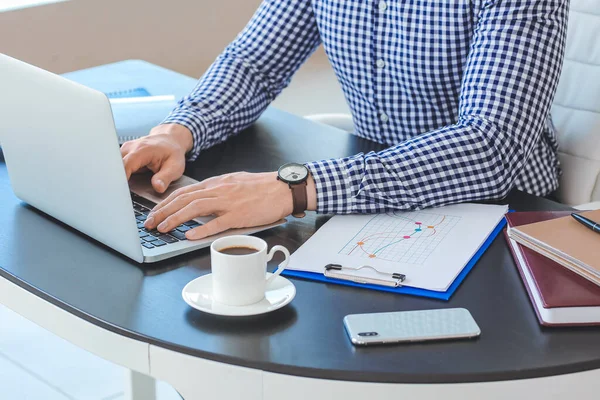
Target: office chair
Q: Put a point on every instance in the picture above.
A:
(576, 109)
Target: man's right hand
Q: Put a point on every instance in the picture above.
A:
(162, 152)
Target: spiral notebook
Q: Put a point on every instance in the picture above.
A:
(134, 92)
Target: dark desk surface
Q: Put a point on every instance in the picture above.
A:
(305, 338)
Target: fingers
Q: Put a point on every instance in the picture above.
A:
(135, 161)
(124, 150)
(157, 216)
(196, 208)
(159, 152)
(205, 184)
(179, 192)
(217, 225)
(170, 170)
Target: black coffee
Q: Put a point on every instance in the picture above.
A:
(238, 250)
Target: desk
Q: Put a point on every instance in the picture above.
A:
(133, 314)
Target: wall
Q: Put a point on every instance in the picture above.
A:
(183, 35)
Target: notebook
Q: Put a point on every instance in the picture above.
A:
(565, 241)
(423, 253)
(558, 295)
(133, 92)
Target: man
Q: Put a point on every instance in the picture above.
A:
(459, 89)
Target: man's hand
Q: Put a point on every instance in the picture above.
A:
(238, 200)
(162, 152)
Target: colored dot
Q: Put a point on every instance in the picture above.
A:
(430, 226)
(418, 223)
(372, 256)
(406, 237)
(360, 243)
(418, 230)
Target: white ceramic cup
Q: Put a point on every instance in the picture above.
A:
(240, 280)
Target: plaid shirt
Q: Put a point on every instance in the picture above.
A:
(459, 89)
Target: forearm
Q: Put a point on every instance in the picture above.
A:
(249, 74)
(228, 98)
(468, 161)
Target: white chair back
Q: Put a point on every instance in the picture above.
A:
(576, 109)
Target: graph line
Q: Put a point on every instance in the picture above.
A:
(396, 230)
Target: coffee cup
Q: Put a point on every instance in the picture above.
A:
(239, 267)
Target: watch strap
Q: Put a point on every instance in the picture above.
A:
(299, 199)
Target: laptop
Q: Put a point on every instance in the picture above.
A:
(62, 155)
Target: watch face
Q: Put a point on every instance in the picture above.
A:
(293, 173)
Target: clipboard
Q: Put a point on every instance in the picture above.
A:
(341, 276)
(338, 271)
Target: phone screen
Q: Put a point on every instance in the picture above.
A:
(410, 326)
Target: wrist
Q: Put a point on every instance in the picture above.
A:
(285, 194)
(282, 193)
(182, 135)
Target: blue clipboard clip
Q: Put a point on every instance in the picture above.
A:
(336, 271)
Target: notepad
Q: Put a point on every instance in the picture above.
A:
(430, 248)
(558, 295)
(565, 241)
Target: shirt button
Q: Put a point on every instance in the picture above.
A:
(382, 6)
(383, 117)
(380, 64)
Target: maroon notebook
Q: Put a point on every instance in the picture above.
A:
(559, 296)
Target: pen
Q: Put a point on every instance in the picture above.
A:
(594, 226)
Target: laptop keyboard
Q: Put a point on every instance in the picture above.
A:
(151, 238)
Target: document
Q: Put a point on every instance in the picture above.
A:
(429, 247)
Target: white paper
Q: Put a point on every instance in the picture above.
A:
(430, 247)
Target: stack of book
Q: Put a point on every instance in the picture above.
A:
(559, 261)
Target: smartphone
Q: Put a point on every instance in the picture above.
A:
(410, 326)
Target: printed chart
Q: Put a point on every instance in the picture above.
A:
(401, 236)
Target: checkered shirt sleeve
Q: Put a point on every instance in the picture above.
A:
(249, 74)
(509, 81)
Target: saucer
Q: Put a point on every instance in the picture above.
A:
(198, 294)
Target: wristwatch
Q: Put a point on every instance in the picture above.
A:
(295, 175)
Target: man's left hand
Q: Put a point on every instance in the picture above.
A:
(238, 200)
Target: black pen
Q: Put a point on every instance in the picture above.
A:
(594, 226)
